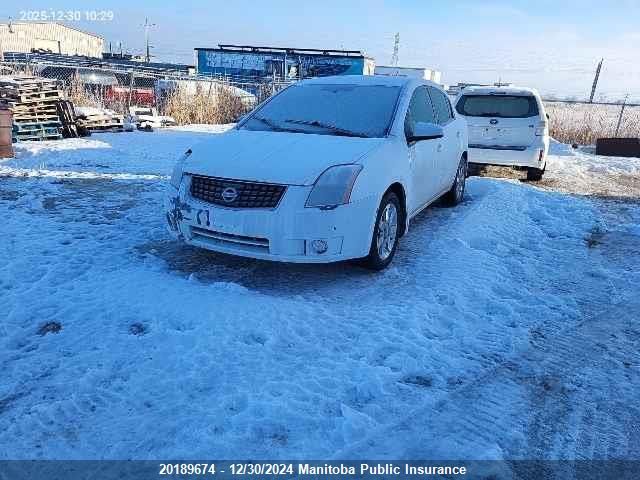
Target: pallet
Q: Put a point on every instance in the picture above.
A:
(100, 122)
(37, 130)
(25, 82)
(35, 118)
(33, 137)
(34, 97)
(114, 128)
(32, 101)
(20, 126)
(33, 107)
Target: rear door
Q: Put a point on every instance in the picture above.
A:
(500, 121)
(448, 149)
(423, 154)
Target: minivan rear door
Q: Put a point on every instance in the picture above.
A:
(500, 120)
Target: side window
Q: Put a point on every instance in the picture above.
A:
(442, 106)
(420, 110)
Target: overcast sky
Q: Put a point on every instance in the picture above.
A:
(553, 46)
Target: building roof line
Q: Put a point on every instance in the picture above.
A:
(263, 49)
(53, 23)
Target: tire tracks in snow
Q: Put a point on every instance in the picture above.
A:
(552, 400)
(566, 395)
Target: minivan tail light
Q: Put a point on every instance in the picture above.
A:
(542, 126)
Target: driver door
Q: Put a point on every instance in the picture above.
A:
(423, 159)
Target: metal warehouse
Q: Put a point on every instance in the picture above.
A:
(49, 37)
(293, 63)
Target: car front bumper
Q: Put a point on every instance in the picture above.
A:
(284, 234)
(529, 157)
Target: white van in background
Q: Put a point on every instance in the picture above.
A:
(507, 126)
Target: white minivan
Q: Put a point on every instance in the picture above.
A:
(507, 126)
(328, 169)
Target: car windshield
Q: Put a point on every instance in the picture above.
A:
(323, 109)
(501, 106)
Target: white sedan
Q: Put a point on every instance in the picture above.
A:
(328, 169)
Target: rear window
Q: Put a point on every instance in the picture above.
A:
(498, 106)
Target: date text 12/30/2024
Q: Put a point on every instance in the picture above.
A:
(66, 15)
(302, 469)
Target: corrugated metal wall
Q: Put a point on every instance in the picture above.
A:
(23, 37)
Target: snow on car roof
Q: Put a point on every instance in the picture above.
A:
(506, 90)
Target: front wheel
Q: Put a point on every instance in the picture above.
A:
(455, 195)
(385, 233)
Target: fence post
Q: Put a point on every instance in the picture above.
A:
(130, 91)
(273, 83)
(624, 104)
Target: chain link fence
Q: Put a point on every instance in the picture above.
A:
(186, 98)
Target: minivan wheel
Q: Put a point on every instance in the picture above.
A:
(385, 233)
(535, 174)
(455, 195)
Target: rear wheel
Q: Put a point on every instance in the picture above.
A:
(455, 195)
(385, 233)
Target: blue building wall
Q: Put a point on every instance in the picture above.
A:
(262, 64)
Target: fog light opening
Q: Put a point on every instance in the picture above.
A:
(319, 246)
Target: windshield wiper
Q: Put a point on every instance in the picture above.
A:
(326, 126)
(273, 125)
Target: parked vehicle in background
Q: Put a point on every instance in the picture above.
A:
(147, 117)
(328, 169)
(507, 126)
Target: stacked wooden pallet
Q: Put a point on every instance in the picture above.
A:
(99, 119)
(33, 103)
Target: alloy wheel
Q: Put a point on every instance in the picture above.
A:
(387, 231)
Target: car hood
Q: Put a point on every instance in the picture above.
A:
(274, 157)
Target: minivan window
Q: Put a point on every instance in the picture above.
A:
(327, 109)
(420, 110)
(441, 105)
(499, 106)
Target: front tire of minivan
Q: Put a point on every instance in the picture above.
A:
(385, 233)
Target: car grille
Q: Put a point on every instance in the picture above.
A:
(236, 193)
(230, 240)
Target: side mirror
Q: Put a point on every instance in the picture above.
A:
(425, 131)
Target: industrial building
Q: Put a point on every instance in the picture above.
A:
(285, 63)
(51, 37)
(421, 73)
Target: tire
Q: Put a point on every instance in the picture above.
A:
(535, 174)
(456, 194)
(384, 243)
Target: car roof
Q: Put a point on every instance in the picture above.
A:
(384, 80)
(504, 90)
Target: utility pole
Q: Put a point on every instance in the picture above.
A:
(147, 25)
(595, 80)
(396, 48)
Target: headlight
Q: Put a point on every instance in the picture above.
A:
(176, 176)
(333, 187)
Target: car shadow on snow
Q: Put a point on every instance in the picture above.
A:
(277, 278)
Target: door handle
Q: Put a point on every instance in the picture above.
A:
(458, 134)
(440, 147)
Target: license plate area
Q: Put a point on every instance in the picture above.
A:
(217, 219)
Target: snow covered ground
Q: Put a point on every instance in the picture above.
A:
(505, 328)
